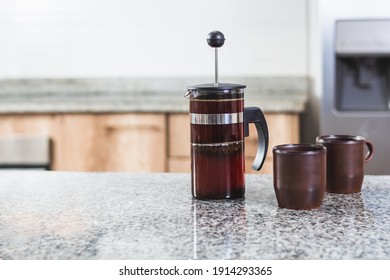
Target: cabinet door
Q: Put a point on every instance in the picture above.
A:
(112, 142)
(179, 143)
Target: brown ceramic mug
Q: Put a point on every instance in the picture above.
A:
(299, 175)
(346, 159)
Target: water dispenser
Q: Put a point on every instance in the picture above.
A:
(355, 78)
(362, 65)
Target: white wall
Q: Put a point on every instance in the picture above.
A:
(310, 118)
(120, 38)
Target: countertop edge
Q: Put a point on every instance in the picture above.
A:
(139, 95)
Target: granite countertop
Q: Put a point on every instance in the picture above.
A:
(277, 94)
(68, 215)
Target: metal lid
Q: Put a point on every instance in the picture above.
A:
(216, 87)
(213, 91)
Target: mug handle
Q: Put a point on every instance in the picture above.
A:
(370, 150)
(256, 116)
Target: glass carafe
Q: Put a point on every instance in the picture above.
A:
(219, 123)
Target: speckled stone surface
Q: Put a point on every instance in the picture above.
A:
(271, 94)
(64, 215)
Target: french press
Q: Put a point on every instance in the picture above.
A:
(219, 123)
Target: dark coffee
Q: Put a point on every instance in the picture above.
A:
(217, 152)
(218, 170)
(219, 123)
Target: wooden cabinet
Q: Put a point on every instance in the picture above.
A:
(133, 142)
(283, 128)
(97, 142)
(112, 142)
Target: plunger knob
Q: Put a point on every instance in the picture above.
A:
(215, 39)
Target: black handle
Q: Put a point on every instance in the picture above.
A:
(256, 116)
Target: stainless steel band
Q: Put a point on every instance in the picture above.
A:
(226, 118)
(216, 145)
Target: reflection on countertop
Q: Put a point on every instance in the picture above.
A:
(66, 215)
(272, 94)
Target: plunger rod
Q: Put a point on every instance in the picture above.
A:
(216, 39)
(216, 66)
